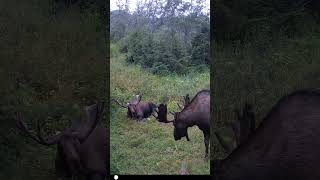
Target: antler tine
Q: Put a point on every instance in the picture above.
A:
(154, 116)
(140, 97)
(23, 127)
(99, 114)
(41, 139)
(179, 106)
(119, 103)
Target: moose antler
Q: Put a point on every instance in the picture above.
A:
(139, 99)
(22, 126)
(186, 100)
(181, 108)
(114, 100)
(154, 116)
(94, 113)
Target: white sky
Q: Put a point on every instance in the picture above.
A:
(132, 5)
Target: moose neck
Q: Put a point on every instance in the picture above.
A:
(255, 158)
(188, 118)
(193, 118)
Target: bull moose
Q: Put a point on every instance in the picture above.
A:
(137, 109)
(82, 149)
(196, 112)
(285, 146)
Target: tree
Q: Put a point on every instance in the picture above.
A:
(200, 47)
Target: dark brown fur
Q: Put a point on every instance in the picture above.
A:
(285, 146)
(162, 113)
(138, 110)
(197, 112)
(141, 110)
(82, 150)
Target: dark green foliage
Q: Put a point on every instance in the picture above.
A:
(163, 38)
(168, 55)
(244, 20)
(262, 51)
(200, 47)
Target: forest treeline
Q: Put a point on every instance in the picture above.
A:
(52, 64)
(164, 36)
(247, 20)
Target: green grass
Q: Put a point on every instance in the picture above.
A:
(149, 148)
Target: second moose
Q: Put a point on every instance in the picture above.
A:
(196, 112)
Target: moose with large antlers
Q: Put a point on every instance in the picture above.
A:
(285, 146)
(137, 109)
(196, 112)
(82, 149)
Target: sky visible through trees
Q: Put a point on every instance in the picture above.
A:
(133, 3)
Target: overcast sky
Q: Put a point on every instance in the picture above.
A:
(132, 5)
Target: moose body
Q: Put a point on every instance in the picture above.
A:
(143, 110)
(285, 146)
(92, 154)
(197, 112)
(82, 150)
(137, 109)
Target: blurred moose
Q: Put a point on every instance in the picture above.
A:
(285, 146)
(82, 149)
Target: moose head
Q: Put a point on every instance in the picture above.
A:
(180, 127)
(69, 141)
(131, 106)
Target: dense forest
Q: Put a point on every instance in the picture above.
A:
(52, 64)
(262, 50)
(163, 36)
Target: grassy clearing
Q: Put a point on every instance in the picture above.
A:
(149, 148)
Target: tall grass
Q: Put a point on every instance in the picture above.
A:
(149, 148)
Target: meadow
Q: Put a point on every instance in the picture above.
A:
(149, 147)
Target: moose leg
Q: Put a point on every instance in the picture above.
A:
(139, 119)
(206, 143)
(62, 171)
(187, 136)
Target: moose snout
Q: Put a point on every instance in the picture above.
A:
(176, 138)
